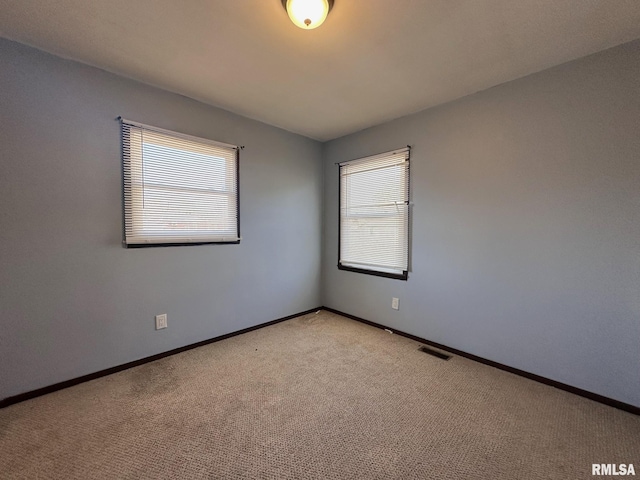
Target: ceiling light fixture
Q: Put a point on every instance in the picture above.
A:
(307, 14)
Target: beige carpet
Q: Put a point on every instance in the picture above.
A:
(319, 396)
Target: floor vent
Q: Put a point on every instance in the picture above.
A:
(435, 353)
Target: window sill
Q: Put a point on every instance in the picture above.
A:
(397, 276)
(152, 245)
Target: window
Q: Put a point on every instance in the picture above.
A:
(178, 189)
(374, 215)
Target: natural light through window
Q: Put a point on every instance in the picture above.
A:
(178, 189)
(374, 214)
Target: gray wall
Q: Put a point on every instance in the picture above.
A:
(72, 300)
(526, 225)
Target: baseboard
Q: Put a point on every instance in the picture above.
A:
(92, 376)
(532, 376)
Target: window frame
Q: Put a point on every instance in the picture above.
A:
(133, 211)
(381, 271)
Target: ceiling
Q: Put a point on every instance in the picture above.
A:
(370, 62)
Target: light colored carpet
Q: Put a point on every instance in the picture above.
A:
(319, 396)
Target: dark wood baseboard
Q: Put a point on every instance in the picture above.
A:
(92, 376)
(532, 376)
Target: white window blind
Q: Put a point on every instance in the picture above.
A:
(178, 188)
(374, 214)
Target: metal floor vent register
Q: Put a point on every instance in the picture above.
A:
(435, 353)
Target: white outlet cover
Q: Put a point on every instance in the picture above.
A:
(395, 303)
(161, 321)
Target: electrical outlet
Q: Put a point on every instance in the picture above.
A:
(395, 303)
(161, 321)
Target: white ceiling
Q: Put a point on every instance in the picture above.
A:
(371, 61)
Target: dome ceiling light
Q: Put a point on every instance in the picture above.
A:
(307, 14)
